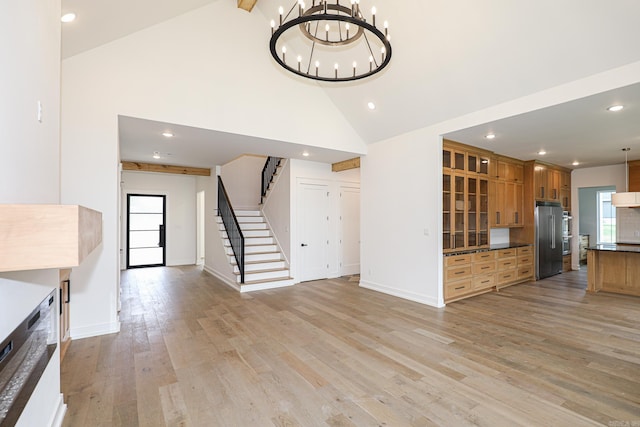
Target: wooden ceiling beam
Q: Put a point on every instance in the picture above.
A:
(346, 165)
(247, 4)
(152, 167)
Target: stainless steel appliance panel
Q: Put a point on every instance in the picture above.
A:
(548, 239)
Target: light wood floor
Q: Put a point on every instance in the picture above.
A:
(193, 352)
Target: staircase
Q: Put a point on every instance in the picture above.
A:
(265, 267)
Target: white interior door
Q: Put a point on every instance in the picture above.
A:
(313, 231)
(349, 230)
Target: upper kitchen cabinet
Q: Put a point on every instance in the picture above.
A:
(47, 236)
(634, 175)
(463, 158)
(551, 183)
(465, 197)
(510, 170)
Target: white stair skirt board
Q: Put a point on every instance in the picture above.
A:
(265, 267)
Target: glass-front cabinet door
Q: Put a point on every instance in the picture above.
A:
(459, 194)
(446, 211)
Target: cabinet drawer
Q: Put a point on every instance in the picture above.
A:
(457, 273)
(504, 253)
(484, 281)
(454, 260)
(525, 260)
(507, 263)
(484, 256)
(525, 272)
(525, 250)
(484, 267)
(505, 277)
(455, 289)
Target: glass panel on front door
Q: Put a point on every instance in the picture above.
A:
(146, 230)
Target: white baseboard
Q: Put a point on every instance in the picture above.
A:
(95, 330)
(224, 279)
(180, 262)
(58, 417)
(422, 299)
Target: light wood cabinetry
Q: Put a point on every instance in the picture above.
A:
(508, 190)
(472, 274)
(566, 263)
(465, 198)
(47, 236)
(64, 296)
(613, 271)
(634, 175)
(551, 183)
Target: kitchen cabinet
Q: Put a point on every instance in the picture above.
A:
(552, 184)
(507, 204)
(634, 175)
(566, 263)
(474, 273)
(465, 198)
(615, 268)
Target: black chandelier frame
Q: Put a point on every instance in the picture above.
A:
(311, 16)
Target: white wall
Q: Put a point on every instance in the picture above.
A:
(29, 164)
(590, 177)
(301, 171)
(180, 226)
(216, 261)
(401, 177)
(177, 72)
(242, 178)
(277, 209)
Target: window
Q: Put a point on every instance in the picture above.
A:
(606, 218)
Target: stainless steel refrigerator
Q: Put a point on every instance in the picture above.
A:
(548, 239)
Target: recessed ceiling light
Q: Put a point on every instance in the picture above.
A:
(615, 108)
(490, 135)
(167, 134)
(68, 17)
(576, 163)
(542, 152)
(305, 153)
(156, 155)
(371, 106)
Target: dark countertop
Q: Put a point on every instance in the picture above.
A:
(616, 247)
(490, 248)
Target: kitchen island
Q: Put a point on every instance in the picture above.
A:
(614, 268)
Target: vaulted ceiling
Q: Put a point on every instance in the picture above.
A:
(450, 57)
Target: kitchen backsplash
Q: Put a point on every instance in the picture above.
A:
(628, 225)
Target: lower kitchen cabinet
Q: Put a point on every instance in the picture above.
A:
(566, 263)
(471, 274)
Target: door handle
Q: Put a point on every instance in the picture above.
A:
(304, 244)
(162, 236)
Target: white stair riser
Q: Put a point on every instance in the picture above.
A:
(254, 249)
(248, 213)
(251, 233)
(279, 274)
(248, 226)
(248, 219)
(262, 266)
(275, 256)
(272, 284)
(250, 241)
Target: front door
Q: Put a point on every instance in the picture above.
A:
(313, 231)
(145, 230)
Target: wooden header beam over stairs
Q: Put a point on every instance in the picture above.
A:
(152, 167)
(346, 165)
(247, 4)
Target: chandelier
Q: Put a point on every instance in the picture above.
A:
(330, 42)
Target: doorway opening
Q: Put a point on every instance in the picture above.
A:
(146, 237)
(606, 217)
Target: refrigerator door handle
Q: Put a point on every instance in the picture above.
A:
(553, 231)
